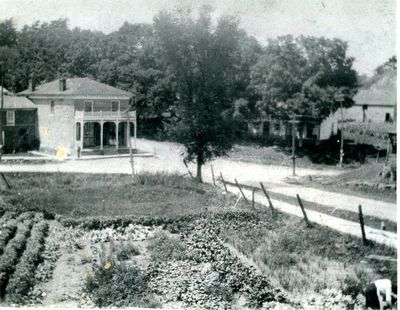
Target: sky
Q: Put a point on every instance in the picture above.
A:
(369, 26)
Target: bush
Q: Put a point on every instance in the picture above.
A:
(126, 250)
(22, 279)
(119, 286)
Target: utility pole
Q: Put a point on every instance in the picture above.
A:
(341, 134)
(130, 143)
(294, 143)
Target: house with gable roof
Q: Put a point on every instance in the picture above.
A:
(82, 115)
(19, 123)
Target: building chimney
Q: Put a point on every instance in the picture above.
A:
(62, 83)
(31, 85)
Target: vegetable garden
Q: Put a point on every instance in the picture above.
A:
(225, 256)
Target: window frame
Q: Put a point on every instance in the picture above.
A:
(52, 107)
(8, 122)
(91, 105)
(78, 131)
(119, 105)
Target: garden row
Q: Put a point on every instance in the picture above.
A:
(21, 244)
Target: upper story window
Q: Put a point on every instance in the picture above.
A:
(88, 106)
(114, 106)
(10, 115)
(388, 118)
(52, 106)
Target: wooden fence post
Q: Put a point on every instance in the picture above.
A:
(190, 173)
(252, 198)
(5, 181)
(361, 217)
(269, 200)
(240, 189)
(223, 182)
(303, 210)
(212, 173)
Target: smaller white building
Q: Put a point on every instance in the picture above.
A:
(375, 104)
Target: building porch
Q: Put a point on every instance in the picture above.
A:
(103, 135)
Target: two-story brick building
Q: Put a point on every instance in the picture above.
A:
(80, 114)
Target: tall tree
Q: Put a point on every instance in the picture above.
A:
(8, 52)
(203, 61)
(306, 76)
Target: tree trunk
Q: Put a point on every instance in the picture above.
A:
(200, 162)
(198, 176)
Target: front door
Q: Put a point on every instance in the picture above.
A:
(91, 134)
(88, 135)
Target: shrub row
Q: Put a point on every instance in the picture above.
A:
(7, 232)
(174, 223)
(6, 216)
(12, 252)
(90, 223)
(8, 229)
(22, 279)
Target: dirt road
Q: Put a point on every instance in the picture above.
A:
(168, 158)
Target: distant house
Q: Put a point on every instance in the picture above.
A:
(275, 129)
(375, 104)
(19, 123)
(80, 114)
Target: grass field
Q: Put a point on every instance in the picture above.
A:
(190, 252)
(80, 195)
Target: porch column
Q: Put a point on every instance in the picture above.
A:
(82, 138)
(116, 135)
(128, 127)
(101, 134)
(134, 133)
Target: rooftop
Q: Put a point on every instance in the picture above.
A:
(83, 87)
(381, 92)
(15, 103)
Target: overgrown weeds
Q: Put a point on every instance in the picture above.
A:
(304, 260)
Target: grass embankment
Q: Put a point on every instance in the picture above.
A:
(308, 260)
(300, 260)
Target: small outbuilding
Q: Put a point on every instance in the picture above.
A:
(19, 124)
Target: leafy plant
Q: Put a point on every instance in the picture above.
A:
(126, 250)
(120, 286)
(166, 247)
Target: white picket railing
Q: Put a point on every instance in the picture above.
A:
(100, 115)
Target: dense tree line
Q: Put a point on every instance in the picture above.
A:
(208, 78)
